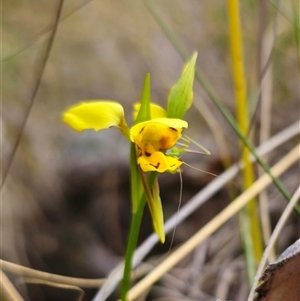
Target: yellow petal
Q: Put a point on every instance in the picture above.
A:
(159, 162)
(157, 137)
(177, 124)
(96, 115)
(156, 111)
(173, 163)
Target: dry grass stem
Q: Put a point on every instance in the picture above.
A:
(41, 65)
(57, 285)
(214, 126)
(28, 272)
(265, 128)
(7, 291)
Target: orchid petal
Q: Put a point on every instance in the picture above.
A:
(95, 115)
(172, 123)
(156, 111)
(159, 162)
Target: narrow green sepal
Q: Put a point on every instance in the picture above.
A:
(151, 190)
(144, 113)
(157, 212)
(180, 96)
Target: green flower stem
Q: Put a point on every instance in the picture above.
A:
(131, 246)
(138, 203)
(138, 199)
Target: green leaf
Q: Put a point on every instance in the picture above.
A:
(180, 97)
(144, 113)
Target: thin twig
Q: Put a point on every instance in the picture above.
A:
(34, 93)
(32, 273)
(265, 127)
(43, 32)
(265, 66)
(57, 285)
(7, 291)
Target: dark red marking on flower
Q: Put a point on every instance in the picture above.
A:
(141, 130)
(139, 151)
(173, 129)
(147, 154)
(175, 164)
(156, 166)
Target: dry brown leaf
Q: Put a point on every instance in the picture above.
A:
(281, 280)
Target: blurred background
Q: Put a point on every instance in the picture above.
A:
(65, 200)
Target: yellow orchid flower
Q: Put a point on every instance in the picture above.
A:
(151, 137)
(153, 140)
